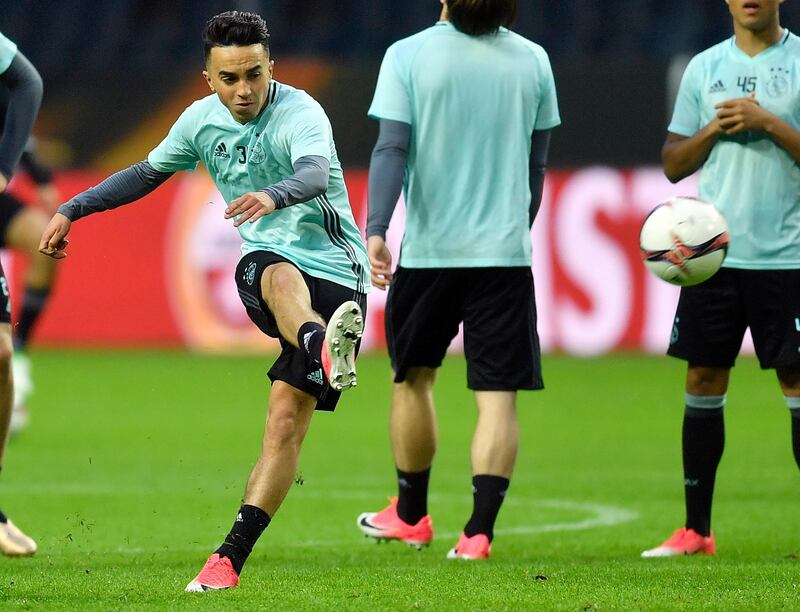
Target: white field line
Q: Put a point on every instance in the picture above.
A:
(598, 515)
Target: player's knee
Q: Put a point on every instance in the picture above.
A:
(789, 379)
(418, 379)
(706, 381)
(284, 429)
(280, 278)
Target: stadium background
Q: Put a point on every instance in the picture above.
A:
(158, 273)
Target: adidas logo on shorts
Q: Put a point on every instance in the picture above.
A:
(316, 377)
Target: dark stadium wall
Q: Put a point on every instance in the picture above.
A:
(613, 113)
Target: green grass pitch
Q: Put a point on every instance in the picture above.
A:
(134, 464)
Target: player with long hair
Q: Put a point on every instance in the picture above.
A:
(465, 109)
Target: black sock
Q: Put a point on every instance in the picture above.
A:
(309, 338)
(703, 443)
(249, 525)
(33, 304)
(796, 434)
(412, 499)
(488, 493)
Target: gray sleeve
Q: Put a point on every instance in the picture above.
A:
(25, 95)
(540, 146)
(121, 188)
(386, 174)
(310, 179)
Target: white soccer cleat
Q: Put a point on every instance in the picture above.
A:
(345, 328)
(13, 542)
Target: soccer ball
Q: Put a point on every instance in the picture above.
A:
(684, 241)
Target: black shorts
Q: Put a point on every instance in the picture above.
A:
(498, 307)
(10, 207)
(292, 367)
(5, 301)
(712, 317)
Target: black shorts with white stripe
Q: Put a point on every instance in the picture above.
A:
(292, 366)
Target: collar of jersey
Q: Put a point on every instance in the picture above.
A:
(766, 53)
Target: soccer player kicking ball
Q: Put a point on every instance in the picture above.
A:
(465, 109)
(270, 151)
(24, 87)
(737, 117)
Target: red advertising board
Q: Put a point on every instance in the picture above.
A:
(159, 272)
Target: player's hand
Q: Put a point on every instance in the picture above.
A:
(47, 197)
(251, 206)
(3, 183)
(54, 241)
(741, 115)
(380, 260)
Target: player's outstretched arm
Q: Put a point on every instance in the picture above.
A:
(121, 188)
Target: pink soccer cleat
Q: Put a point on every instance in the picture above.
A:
(684, 542)
(387, 525)
(470, 549)
(217, 574)
(339, 347)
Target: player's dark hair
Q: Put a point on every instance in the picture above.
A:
(235, 29)
(480, 17)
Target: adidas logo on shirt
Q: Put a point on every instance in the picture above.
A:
(222, 151)
(316, 377)
(717, 87)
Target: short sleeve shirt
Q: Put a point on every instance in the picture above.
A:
(752, 180)
(473, 104)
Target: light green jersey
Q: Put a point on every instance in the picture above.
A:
(473, 104)
(752, 180)
(8, 49)
(319, 236)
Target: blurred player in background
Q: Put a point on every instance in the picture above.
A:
(21, 228)
(24, 95)
(737, 117)
(465, 110)
(270, 150)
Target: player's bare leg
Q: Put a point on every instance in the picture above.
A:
(413, 421)
(493, 453)
(789, 380)
(12, 541)
(286, 293)
(703, 442)
(290, 410)
(414, 438)
(23, 234)
(288, 418)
